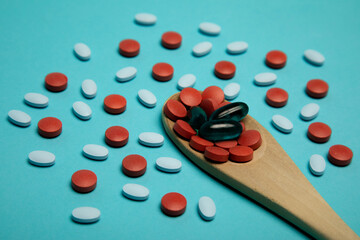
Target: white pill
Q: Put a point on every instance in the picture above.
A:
(95, 152)
(19, 118)
(126, 74)
(145, 18)
(36, 100)
(282, 123)
(82, 51)
(151, 139)
(207, 208)
(231, 91)
(237, 47)
(309, 111)
(187, 80)
(201, 49)
(86, 214)
(317, 165)
(265, 79)
(135, 192)
(89, 88)
(147, 98)
(168, 164)
(210, 28)
(41, 158)
(82, 110)
(314, 57)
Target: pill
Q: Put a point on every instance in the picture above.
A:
(223, 104)
(151, 139)
(309, 111)
(250, 138)
(220, 130)
(49, 127)
(237, 47)
(317, 164)
(199, 144)
(340, 155)
(225, 69)
(265, 79)
(56, 82)
(162, 72)
(19, 118)
(282, 124)
(190, 97)
(116, 136)
(241, 154)
(89, 88)
(231, 91)
(235, 111)
(36, 100)
(243, 125)
(174, 110)
(145, 19)
(134, 165)
(41, 158)
(207, 208)
(196, 117)
(147, 98)
(173, 204)
(209, 105)
(209, 28)
(187, 80)
(216, 154)
(275, 59)
(95, 152)
(82, 51)
(171, 40)
(85, 215)
(83, 181)
(317, 88)
(168, 164)
(135, 192)
(276, 97)
(183, 129)
(319, 132)
(82, 110)
(202, 49)
(215, 93)
(226, 144)
(129, 48)
(314, 57)
(126, 74)
(114, 104)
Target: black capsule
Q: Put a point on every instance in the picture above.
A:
(235, 111)
(220, 130)
(197, 117)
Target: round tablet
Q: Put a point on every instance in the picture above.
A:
(171, 40)
(83, 181)
(56, 82)
(115, 104)
(276, 97)
(49, 127)
(216, 154)
(319, 132)
(209, 105)
(317, 88)
(225, 69)
(243, 126)
(317, 165)
(227, 144)
(340, 155)
(174, 110)
(129, 48)
(199, 144)
(134, 165)
(173, 204)
(162, 72)
(241, 154)
(275, 59)
(184, 129)
(116, 136)
(250, 138)
(215, 93)
(190, 97)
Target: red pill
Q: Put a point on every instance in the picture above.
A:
(215, 93)
(209, 105)
(190, 97)
(173, 204)
(83, 181)
(216, 154)
(226, 144)
(276, 59)
(115, 104)
(317, 88)
(241, 154)
(223, 104)
(276, 97)
(243, 126)
(199, 144)
(250, 138)
(171, 40)
(174, 110)
(225, 69)
(162, 72)
(319, 132)
(56, 82)
(340, 155)
(116, 136)
(49, 127)
(129, 48)
(184, 129)
(134, 165)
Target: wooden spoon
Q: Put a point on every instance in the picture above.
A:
(273, 180)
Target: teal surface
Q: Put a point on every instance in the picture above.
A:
(37, 37)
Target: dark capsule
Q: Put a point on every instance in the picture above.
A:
(220, 130)
(235, 111)
(197, 117)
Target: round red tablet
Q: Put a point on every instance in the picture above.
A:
(340, 155)
(199, 144)
(190, 97)
(276, 97)
(49, 127)
(129, 48)
(276, 59)
(162, 72)
(83, 181)
(225, 69)
(134, 165)
(173, 204)
(319, 132)
(115, 104)
(116, 136)
(226, 144)
(174, 110)
(317, 88)
(215, 93)
(243, 125)
(56, 82)
(241, 154)
(184, 129)
(250, 138)
(209, 105)
(216, 154)
(223, 104)
(171, 40)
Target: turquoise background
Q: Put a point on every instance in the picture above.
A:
(37, 37)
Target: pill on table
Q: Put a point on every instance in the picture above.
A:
(209, 105)
(220, 130)
(275, 59)
(226, 144)
(209, 28)
(49, 127)
(116, 136)
(250, 138)
(126, 74)
(129, 48)
(135, 192)
(83, 181)
(145, 19)
(215, 93)
(115, 104)
(162, 72)
(134, 165)
(171, 40)
(317, 88)
(190, 97)
(82, 110)
(41, 158)
(235, 111)
(56, 82)
(173, 204)
(183, 129)
(187, 80)
(202, 49)
(309, 111)
(319, 132)
(36, 100)
(225, 69)
(82, 51)
(199, 144)
(340, 155)
(317, 164)
(314, 57)
(265, 79)
(241, 154)
(282, 124)
(19, 118)
(95, 152)
(276, 97)
(237, 47)
(174, 110)
(147, 98)
(89, 88)
(216, 154)
(151, 139)
(207, 208)
(168, 164)
(85, 215)
(231, 91)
